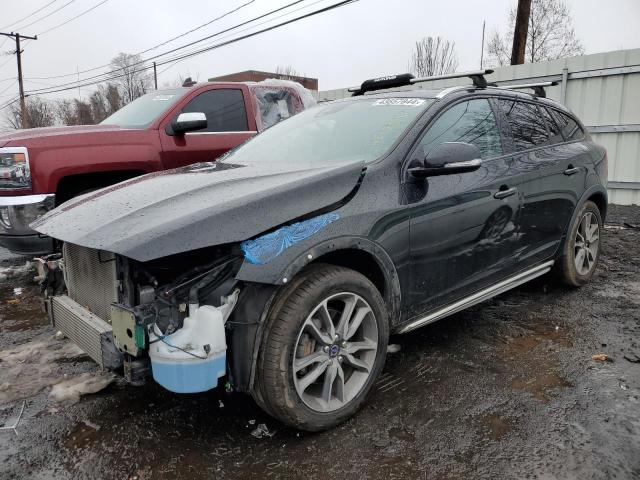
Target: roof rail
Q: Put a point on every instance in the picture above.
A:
(405, 79)
(538, 88)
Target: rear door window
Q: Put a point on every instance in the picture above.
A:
(470, 122)
(528, 128)
(224, 109)
(555, 135)
(569, 127)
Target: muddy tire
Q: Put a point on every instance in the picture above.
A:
(324, 345)
(582, 247)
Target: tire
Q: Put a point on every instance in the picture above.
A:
(297, 329)
(568, 268)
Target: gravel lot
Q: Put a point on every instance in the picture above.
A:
(507, 389)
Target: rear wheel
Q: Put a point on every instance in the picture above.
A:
(324, 345)
(582, 249)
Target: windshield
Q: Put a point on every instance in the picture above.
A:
(145, 109)
(358, 129)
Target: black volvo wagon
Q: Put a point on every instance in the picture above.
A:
(283, 267)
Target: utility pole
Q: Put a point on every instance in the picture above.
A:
(155, 75)
(23, 106)
(520, 32)
(482, 47)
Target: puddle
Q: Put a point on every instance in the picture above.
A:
(84, 434)
(497, 426)
(402, 434)
(540, 383)
(20, 308)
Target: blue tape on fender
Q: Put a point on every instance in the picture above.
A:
(263, 249)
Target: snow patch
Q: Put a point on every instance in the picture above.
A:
(70, 390)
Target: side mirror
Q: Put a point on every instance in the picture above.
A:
(188, 122)
(448, 158)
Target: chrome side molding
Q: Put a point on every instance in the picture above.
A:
(480, 296)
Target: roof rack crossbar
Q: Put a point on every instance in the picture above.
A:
(538, 88)
(405, 79)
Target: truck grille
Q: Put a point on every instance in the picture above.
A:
(91, 279)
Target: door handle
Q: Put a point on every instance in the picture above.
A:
(504, 193)
(571, 170)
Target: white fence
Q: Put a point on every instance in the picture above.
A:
(602, 89)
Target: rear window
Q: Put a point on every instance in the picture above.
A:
(555, 135)
(528, 128)
(569, 127)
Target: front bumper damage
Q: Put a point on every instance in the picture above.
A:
(144, 330)
(16, 213)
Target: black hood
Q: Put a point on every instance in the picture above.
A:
(202, 205)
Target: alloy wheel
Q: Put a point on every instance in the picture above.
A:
(587, 242)
(335, 352)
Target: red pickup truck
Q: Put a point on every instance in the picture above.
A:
(44, 167)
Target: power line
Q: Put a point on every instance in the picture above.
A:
(10, 103)
(10, 85)
(73, 18)
(172, 50)
(203, 50)
(239, 31)
(160, 44)
(198, 27)
(47, 15)
(27, 16)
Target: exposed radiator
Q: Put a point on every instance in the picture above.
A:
(90, 276)
(92, 334)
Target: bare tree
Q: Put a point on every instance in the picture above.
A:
(433, 56)
(550, 35)
(40, 113)
(287, 72)
(130, 76)
(104, 101)
(179, 80)
(65, 112)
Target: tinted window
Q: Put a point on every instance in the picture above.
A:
(224, 110)
(527, 126)
(570, 129)
(554, 129)
(470, 122)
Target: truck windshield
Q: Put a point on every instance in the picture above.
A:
(356, 129)
(145, 109)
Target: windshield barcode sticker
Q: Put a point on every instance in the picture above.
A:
(408, 102)
(162, 98)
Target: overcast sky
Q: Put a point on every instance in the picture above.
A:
(341, 48)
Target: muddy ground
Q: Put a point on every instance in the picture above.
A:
(507, 389)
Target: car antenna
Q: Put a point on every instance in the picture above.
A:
(405, 79)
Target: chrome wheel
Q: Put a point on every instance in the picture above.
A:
(586, 244)
(335, 352)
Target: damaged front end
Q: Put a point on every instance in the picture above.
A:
(168, 317)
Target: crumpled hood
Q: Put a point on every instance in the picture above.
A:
(202, 205)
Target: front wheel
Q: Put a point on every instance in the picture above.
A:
(582, 249)
(324, 345)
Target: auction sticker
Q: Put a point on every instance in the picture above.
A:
(408, 102)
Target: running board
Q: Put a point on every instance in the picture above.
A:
(480, 296)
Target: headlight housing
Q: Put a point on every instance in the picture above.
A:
(14, 168)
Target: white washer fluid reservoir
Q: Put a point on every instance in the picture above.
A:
(182, 362)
